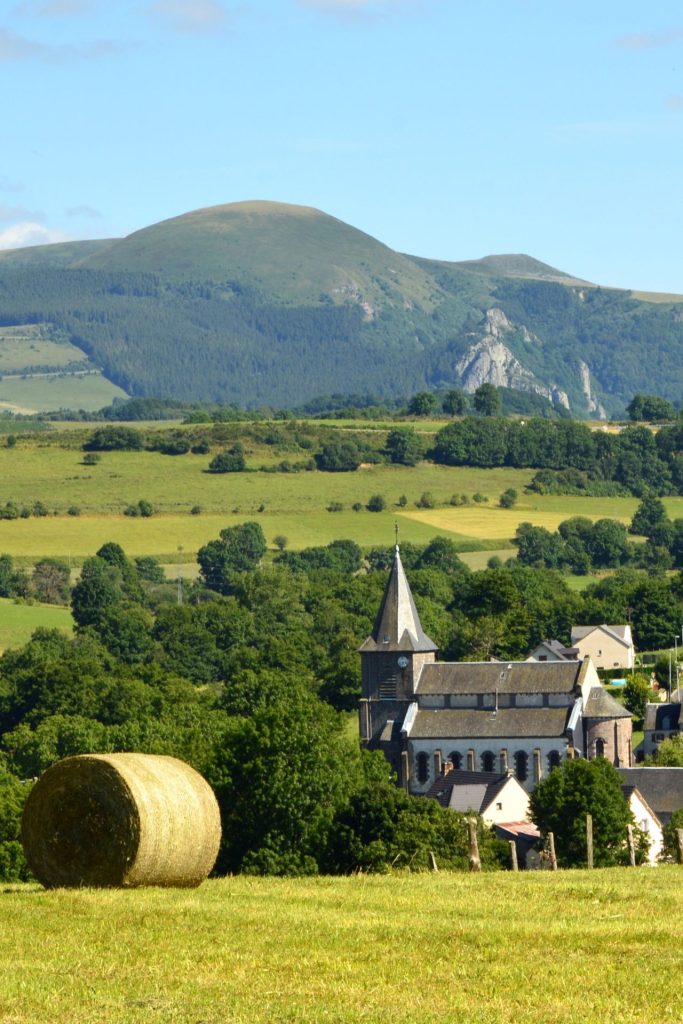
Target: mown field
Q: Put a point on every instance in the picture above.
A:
(18, 621)
(490, 949)
(50, 469)
(41, 393)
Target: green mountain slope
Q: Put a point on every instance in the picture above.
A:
(264, 303)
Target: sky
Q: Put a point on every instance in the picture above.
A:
(451, 129)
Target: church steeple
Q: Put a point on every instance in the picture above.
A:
(397, 626)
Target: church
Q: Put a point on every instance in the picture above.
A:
(522, 717)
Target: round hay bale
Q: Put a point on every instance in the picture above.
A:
(121, 820)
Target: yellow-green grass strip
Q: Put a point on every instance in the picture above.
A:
(536, 948)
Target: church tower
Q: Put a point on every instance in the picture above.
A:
(391, 661)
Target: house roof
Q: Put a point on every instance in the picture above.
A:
(452, 724)
(601, 704)
(464, 791)
(558, 649)
(621, 633)
(662, 788)
(487, 677)
(662, 717)
(397, 626)
(514, 829)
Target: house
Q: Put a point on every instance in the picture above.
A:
(606, 646)
(653, 794)
(553, 650)
(661, 722)
(481, 716)
(525, 836)
(496, 796)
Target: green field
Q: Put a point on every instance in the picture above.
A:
(18, 621)
(409, 949)
(42, 393)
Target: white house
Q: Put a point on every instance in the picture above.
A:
(606, 646)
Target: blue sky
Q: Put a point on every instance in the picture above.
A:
(445, 128)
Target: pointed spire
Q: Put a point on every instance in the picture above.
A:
(397, 626)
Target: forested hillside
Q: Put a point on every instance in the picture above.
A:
(260, 303)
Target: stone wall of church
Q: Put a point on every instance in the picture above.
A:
(529, 759)
(610, 738)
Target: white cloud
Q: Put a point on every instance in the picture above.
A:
(359, 9)
(15, 47)
(51, 8)
(29, 233)
(18, 213)
(190, 15)
(650, 40)
(83, 211)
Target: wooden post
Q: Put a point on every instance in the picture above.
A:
(474, 859)
(589, 840)
(513, 855)
(432, 861)
(631, 846)
(679, 841)
(551, 851)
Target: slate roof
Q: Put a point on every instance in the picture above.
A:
(662, 717)
(601, 704)
(397, 626)
(559, 650)
(454, 724)
(618, 632)
(464, 791)
(486, 677)
(662, 788)
(514, 829)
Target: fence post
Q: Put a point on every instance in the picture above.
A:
(432, 861)
(513, 855)
(551, 848)
(474, 859)
(589, 840)
(679, 840)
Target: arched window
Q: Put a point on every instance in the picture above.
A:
(422, 767)
(456, 759)
(553, 759)
(599, 748)
(521, 765)
(488, 761)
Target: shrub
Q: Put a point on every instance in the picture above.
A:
(479, 497)
(508, 498)
(202, 448)
(402, 501)
(426, 500)
(376, 503)
(335, 506)
(91, 459)
(73, 510)
(196, 510)
(357, 507)
(229, 461)
(280, 541)
(110, 439)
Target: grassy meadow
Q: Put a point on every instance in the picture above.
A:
(41, 393)
(406, 949)
(18, 621)
(49, 468)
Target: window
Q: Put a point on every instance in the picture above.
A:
(521, 765)
(422, 768)
(488, 761)
(599, 748)
(553, 759)
(456, 759)
(543, 657)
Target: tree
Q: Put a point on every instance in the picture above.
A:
(338, 456)
(229, 461)
(649, 516)
(669, 837)
(115, 438)
(455, 402)
(508, 498)
(238, 549)
(650, 408)
(637, 693)
(486, 400)
(670, 753)
(423, 403)
(404, 447)
(99, 588)
(13, 794)
(376, 503)
(50, 581)
(561, 801)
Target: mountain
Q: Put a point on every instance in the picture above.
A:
(267, 303)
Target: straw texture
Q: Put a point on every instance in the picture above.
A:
(121, 820)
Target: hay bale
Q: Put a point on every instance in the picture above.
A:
(121, 820)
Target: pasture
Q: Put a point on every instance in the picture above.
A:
(531, 948)
(42, 392)
(18, 621)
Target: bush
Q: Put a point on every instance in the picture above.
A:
(73, 510)
(196, 510)
(91, 459)
(402, 501)
(376, 503)
(142, 508)
(426, 500)
(229, 461)
(479, 498)
(110, 439)
(335, 506)
(508, 498)
(280, 541)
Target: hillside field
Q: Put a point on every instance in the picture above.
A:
(18, 621)
(400, 949)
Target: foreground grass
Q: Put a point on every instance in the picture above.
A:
(494, 948)
(18, 621)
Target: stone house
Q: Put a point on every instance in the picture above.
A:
(524, 717)
(661, 722)
(606, 646)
